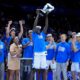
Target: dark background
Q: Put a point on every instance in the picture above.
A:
(66, 15)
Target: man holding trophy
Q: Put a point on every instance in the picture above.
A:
(38, 37)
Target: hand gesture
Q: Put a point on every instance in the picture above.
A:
(74, 39)
(21, 22)
(47, 13)
(10, 22)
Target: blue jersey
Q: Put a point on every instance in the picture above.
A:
(75, 56)
(62, 52)
(2, 51)
(69, 42)
(51, 51)
(8, 40)
(39, 42)
(28, 50)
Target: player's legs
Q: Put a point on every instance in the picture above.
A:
(74, 69)
(58, 71)
(53, 68)
(36, 62)
(44, 66)
(64, 70)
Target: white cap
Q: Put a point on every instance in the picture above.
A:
(38, 27)
(30, 31)
(49, 35)
(78, 34)
(12, 29)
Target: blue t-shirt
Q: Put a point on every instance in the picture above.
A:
(7, 43)
(2, 51)
(8, 40)
(27, 51)
(63, 52)
(39, 42)
(50, 51)
(75, 56)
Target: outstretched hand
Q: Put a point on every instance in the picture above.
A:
(47, 13)
(21, 22)
(10, 22)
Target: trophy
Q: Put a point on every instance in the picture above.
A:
(47, 9)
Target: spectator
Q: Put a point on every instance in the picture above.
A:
(10, 34)
(14, 61)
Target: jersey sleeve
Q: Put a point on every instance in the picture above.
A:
(43, 34)
(24, 41)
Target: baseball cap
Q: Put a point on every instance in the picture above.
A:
(12, 29)
(49, 35)
(30, 31)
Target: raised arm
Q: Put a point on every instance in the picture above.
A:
(74, 48)
(8, 28)
(21, 28)
(24, 46)
(46, 24)
(37, 17)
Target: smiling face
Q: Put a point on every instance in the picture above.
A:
(16, 40)
(63, 37)
(12, 33)
(50, 38)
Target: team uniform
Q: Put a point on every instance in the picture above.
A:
(62, 56)
(27, 51)
(26, 63)
(2, 56)
(75, 58)
(50, 56)
(8, 40)
(39, 50)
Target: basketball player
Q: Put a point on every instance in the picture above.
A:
(38, 37)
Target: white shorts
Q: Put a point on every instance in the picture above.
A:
(39, 61)
(75, 67)
(52, 65)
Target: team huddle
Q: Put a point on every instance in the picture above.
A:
(44, 51)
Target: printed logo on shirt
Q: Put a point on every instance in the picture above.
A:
(51, 47)
(40, 36)
(78, 47)
(1, 46)
(31, 44)
(61, 49)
